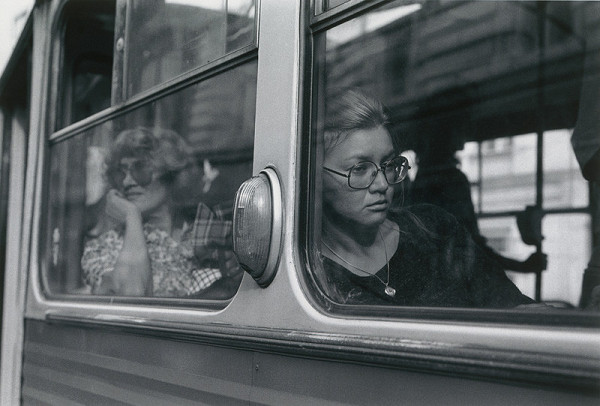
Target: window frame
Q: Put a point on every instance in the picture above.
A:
(119, 107)
(319, 22)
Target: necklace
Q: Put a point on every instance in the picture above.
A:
(390, 291)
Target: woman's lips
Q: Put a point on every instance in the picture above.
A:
(378, 206)
(132, 194)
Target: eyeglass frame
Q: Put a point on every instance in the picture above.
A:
(123, 170)
(379, 169)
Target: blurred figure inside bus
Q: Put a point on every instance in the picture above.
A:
(145, 244)
(440, 182)
(417, 256)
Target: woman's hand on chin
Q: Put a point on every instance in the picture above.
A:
(119, 208)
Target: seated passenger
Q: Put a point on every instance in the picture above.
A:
(145, 246)
(419, 256)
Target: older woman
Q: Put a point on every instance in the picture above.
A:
(146, 249)
(420, 256)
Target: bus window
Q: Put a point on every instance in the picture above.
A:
(87, 60)
(490, 208)
(141, 204)
(108, 54)
(166, 39)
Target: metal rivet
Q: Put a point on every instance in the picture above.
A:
(120, 44)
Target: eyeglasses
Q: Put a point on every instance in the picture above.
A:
(363, 174)
(141, 171)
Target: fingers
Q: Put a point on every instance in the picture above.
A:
(117, 206)
(228, 263)
(107, 286)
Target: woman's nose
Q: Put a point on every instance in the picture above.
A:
(380, 183)
(128, 180)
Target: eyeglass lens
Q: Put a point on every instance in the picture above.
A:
(363, 174)
(140, 171)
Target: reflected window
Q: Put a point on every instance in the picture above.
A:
(564, 185)
(87, 60)
(562, 281)
(108, 54)
(166, 39)
(482, 106)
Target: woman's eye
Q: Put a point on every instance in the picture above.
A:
(360, 169)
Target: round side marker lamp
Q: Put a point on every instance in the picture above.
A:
(257, 226)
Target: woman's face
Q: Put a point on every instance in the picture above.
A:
(148, 197)
(362, 207)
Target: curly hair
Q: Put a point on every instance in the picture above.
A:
(166, 149)
(169, 154)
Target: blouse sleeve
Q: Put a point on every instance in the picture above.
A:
(99, 257)
(485, 280)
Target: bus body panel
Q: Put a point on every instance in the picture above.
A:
(75, 364)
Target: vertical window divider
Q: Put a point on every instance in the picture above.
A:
(541, 123)
(119, 55)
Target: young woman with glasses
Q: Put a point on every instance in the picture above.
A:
(417, 256)
(146, 245)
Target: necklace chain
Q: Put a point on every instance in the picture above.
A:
(388, 289)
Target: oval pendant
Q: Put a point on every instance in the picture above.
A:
(390, 291)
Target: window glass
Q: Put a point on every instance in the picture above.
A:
(87, 60)
(479, 97)
(171, 37)
(562, 281)
(508, 166)
(329, 4)
(564, 186)
(141, 205)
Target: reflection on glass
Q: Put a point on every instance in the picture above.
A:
(369, 23)
(86, 61)
(564, 186)
(329, 4)
(167, 39)
(567, 243)
(468, 86)
(142, 204)
(374, 253)
(502, 235)
(508, 169)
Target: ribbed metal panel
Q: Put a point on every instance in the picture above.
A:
(72, 366)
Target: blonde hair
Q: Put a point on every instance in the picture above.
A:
(350, 111)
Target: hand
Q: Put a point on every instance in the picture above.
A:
(119, 208)
(538, 261)
(228, 264)
(120, 282)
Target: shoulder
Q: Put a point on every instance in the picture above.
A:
(426, 217)
(108, 239)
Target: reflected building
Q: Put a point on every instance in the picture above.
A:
(500, 82)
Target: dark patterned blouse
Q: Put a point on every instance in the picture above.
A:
(436, 264)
